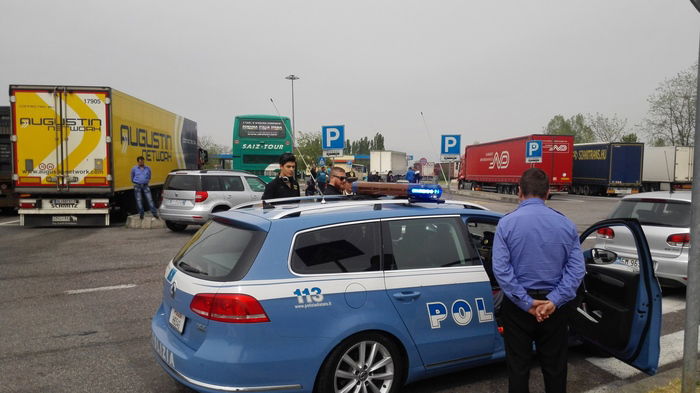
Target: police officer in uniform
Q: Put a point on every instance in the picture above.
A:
(285, 184)
(538, 263)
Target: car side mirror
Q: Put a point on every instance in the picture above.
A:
(599, 256)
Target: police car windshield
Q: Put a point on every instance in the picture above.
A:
(219, 252)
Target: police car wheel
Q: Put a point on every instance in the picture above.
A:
(366, 362)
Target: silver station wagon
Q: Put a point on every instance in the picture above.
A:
(191, 196)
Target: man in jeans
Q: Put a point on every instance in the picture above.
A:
(140, 176)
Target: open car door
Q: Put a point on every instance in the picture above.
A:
(620, 297)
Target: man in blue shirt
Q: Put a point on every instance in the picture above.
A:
(539, 266)
(140, 176)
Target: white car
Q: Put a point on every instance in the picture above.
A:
(665, 219)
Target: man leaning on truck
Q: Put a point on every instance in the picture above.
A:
(140, 176)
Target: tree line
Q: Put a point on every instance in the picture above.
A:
(670, 119)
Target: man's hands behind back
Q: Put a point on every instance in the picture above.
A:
(542, 309)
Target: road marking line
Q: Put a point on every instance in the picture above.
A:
(86, 290)
(671, 351)
(9, 222)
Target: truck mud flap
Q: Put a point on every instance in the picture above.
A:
(63, 220)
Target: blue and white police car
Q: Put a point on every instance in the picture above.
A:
(366, 295)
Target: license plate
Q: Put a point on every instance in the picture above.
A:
(631, 262)
(177, 202)
(177, 320)
(64, 203)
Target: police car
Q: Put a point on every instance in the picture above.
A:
(367, 295)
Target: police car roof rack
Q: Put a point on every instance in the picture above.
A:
(376, 205)
(296, 211)
(271, 203)
(466, 205)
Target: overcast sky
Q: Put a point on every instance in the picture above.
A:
(484, 69)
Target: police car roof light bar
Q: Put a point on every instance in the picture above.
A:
(414, 192)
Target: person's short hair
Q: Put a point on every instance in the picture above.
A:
(337, 171)
(287, 157)
(139, 158)
(534, 182)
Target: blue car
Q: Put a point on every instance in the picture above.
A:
(367, 295)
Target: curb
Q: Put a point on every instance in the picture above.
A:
(148, 222)
(650, 383)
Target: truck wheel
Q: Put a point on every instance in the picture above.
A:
(367, 362)
(175, 227)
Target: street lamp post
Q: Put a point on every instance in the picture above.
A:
(292, 78)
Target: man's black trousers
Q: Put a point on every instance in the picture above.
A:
(520, 329)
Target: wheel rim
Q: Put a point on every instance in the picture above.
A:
(366, 367)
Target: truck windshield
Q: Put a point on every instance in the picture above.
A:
(219, 252)
(659, 212)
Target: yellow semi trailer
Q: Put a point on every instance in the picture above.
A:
(74, 147)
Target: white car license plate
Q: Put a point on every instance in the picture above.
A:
(177, 202)
(631, 262)
(177, 320)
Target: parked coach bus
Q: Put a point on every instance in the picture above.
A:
(258, 141)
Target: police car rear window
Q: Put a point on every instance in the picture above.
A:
(219, 252)
(340, 249)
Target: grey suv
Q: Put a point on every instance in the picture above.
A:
(191, 196)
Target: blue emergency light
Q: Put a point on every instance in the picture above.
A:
(412, 192)
(424, 192)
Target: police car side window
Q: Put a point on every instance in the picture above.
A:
(481, 234)
(427, 243)
(340, 249)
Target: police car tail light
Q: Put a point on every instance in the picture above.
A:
(201, 196)
(606, 233)
(678, 240)
(229, 307)
(414, 192)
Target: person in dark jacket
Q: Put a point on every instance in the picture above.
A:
(336, 184)
(285, 184)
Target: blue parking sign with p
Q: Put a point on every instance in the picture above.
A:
(450, 144)
(533, 151)
(333, 137)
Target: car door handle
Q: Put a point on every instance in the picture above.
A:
(406, 295)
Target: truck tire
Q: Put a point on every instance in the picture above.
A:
(175, 227)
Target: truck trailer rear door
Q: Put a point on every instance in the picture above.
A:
(61, 138)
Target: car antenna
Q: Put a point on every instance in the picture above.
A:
(427, 133)
(295, 146)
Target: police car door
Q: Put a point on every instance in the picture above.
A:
(438, 286)
(620, 298)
